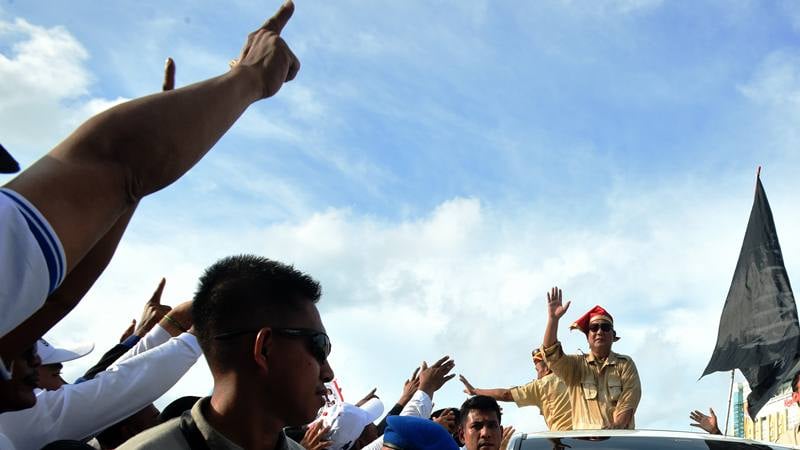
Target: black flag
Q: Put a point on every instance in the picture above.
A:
(758, 332)
(7, 162)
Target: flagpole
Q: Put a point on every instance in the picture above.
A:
(730, 396)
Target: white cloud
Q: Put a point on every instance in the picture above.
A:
(48, 61)
(776, 81)
(774, 90)
(45, 89)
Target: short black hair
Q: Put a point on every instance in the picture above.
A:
(439, 412)
(480, 403)
(794, 381)
(242, 292)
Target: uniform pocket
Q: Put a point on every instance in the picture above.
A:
(589, 388)
(614, 387)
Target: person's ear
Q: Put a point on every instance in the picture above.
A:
(461, 432)
(261, 348)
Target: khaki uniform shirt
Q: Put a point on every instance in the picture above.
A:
(551, 396)
(597, 390)
(168, 435)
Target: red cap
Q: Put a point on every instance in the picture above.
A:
(596, 314)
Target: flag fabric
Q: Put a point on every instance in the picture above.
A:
(7, 162)
(759, 332)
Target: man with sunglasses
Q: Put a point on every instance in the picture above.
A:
(603, 386)
(267, 349)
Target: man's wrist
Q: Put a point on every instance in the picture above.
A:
(172, 326)
(248, 82)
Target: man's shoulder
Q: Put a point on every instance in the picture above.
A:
(622, 357)
(168, 436)
(551, 379)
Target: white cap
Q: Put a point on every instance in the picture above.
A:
(350, 422)
(54, 355)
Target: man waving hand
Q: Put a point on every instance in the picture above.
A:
(604, 386)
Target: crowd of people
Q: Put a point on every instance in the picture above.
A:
(253, 319)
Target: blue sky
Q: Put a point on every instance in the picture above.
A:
(439, 165)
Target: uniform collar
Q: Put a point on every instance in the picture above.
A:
(217, 440)
(610, 360)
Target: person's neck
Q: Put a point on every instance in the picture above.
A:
(239, 415)
(601, 356)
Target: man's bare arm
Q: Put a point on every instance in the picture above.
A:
(89, 180)
(499, 394)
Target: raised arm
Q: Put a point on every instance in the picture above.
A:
(77, 411)
(71, 291)
(410, 386)
(499, 394)
(81, 278)
(92, 178)
(555, 310)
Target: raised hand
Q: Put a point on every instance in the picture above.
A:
(370, 395)
(268, 54)
(153, 311)
(316, 437)
(469, 389)
(409, 388)
(432, 378)
(507, 433)
(447, 420)
(707, 423)
(555, 308)
(128, 331)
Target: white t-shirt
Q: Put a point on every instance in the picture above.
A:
(32, 260)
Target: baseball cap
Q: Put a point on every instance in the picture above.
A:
(51, 354)
(347, 426)
(416, 433)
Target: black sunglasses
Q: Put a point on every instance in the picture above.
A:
(320, 343)
(605, 326)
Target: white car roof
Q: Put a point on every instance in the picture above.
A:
(642, 434)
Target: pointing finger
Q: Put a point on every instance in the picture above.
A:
(156, 298)
(169, 76)
(280, 19)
